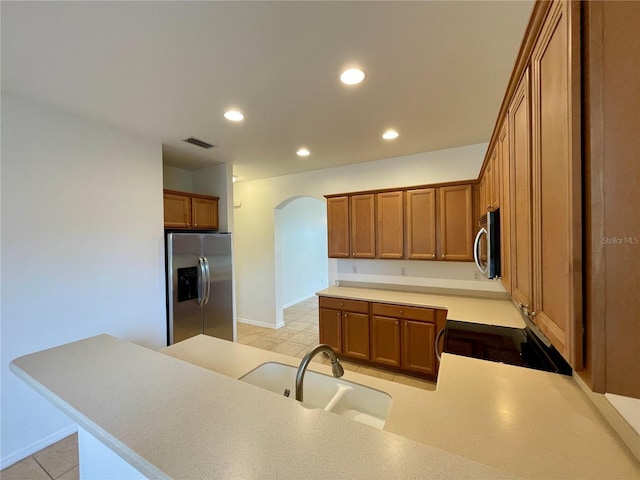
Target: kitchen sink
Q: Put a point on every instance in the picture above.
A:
(352, 400)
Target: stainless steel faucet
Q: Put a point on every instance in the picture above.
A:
(336, 368)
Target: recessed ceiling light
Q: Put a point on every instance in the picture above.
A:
(234, 115)
(390, 134)
(303, 152)
(352, 76)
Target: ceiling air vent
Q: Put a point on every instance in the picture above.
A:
(199, 143)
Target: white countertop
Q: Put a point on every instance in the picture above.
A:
(526, 422)
(489, 311)
(172, 419)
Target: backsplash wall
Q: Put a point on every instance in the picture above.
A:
(413, 273)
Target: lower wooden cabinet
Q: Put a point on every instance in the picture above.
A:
(356, 335)
(398, 337)
(418, 352)
(385, 340)
(344, 326)
(330, 324)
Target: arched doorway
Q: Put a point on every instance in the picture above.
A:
(301, 264)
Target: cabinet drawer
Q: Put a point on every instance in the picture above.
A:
(344, 304)
(402, 311)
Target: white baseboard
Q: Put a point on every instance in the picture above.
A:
(15, 457)
(295, 302)
(261, 324)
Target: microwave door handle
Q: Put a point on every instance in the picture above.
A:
(207, 280)
(476, 252)
(201, 279)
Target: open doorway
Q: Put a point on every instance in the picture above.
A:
(301, 267)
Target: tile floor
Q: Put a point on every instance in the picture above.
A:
(299, 334)
(58, 461)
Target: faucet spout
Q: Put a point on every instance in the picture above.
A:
(336, 368)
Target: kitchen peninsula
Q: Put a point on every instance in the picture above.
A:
(182, 413)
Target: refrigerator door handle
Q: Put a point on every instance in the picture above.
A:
(207, 280)
(201, 280)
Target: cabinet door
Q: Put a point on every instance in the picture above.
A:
(483, 199)
(495, 178)
(421, 224)
(390, 231)
(489, 180)
(385, 340)
(330, 325)
(338, 227)
(520, 183)
(177, 211)
(356, 335)
(363, 228)
(456, 222)
(418, 353)
(505, 216)
(556, 181)
(204, 213)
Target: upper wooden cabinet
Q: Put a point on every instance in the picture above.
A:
(533, 173)
(456, 222)
(390, 231)
(177, 210)
(520, 181)
(338, 227)
(421, 224)
(556, 181)
(611, 196)
(505, 206)
(363, 226)
(190, 211)
(416, 223)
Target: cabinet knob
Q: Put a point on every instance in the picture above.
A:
(396, 322)
(401, 312)
(342, 304)
(346, 315)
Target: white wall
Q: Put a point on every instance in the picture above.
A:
(217, 181)
(174, 178)
(301, 244)
(83, 251)
(254, 225)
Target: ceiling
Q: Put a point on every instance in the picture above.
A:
(436, 72)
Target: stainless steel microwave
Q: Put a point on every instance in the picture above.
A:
(486, 247)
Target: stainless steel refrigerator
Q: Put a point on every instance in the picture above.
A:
(199, 285)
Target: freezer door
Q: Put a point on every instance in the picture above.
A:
(218, 306)
(184, 286)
